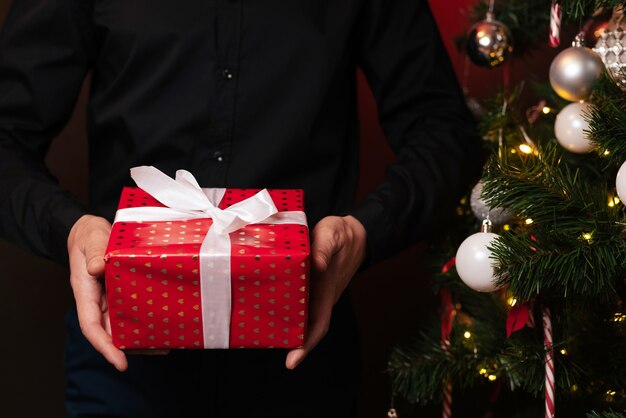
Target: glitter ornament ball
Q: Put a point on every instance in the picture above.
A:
(498, 216)
(570, 126)
(611, 47)
(473, 262)
(620, 183)
(574, 70)
(489, 42)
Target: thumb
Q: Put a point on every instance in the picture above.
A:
(95, 262)
(95, 248)
(325, 244)
(90, 236)
(94, 254)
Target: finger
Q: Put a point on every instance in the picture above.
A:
(93, 314)
(90, 319)
(88, 295)
(107, 321)
(319, 322)
(317, 330)
(94, 252)
(326, 243)
(94, 332)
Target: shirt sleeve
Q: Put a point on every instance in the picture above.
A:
(44, 57)
(425, 120)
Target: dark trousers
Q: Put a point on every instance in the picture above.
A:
(217, 383)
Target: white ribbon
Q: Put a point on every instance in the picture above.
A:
(185, 199)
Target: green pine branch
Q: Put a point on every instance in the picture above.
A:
(607, 122)
(575, 244)
(579, 9)
(589, 352)
(421, 369)
(609, 414)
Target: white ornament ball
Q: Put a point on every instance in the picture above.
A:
(570, 126)
(573, 72)
(497, 216)
(473, 264)
(620, 183)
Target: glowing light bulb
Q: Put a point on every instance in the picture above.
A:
(563, 351)
(612, 201)
(528, 221)
(546, 110)
(467, 334)
(492, 377)
(526, 149)
(587, 236)
(511, 301)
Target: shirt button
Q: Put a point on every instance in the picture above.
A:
(227, 74)
(219, 156)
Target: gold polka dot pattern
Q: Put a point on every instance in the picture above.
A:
(153, 281)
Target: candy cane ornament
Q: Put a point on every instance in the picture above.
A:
(555, 25)
(448, 312)
(547, 342)
(446, 411)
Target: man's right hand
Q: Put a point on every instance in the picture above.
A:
(86, 245)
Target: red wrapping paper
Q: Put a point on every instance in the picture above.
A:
(153, 280)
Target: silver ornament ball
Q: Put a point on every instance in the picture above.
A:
(498, 216)
(574, 70)
(570, 126)
(489, 42)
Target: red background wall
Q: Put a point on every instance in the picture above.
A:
(391, 299)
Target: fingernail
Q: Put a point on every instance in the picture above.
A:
(322, 263)
(291, 364)
(296, 362)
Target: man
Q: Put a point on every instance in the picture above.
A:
(241, 94)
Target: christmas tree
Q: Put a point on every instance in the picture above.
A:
(531, 274)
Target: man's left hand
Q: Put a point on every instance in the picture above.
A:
(337, 251)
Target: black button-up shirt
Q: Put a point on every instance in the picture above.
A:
(240, 93)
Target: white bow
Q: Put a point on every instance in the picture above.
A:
(185, 199)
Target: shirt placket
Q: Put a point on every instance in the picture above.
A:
(227, 45)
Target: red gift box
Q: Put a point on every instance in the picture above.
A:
(160, 296)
